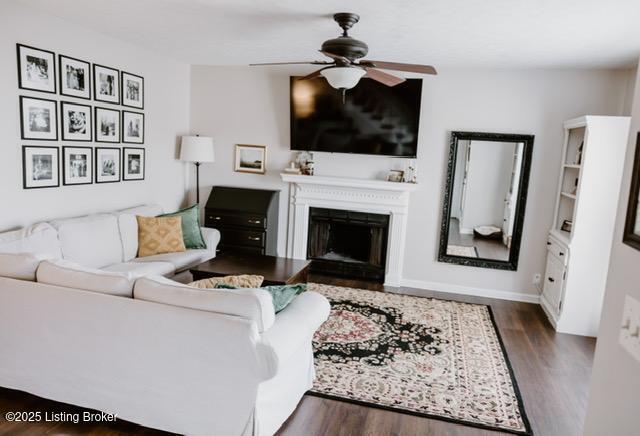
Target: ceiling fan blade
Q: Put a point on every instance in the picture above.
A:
(336, 57)
(313, 75)
(411, 68)
(384, 78)
(291, 63)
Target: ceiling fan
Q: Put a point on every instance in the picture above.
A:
(346, 69)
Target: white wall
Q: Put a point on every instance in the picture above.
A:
(488, 178)
(166, 116)
(251, 106)
(614, 398)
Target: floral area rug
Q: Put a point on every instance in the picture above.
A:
(428, 357)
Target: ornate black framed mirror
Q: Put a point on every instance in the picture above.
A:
(632, 223)
(485, 198)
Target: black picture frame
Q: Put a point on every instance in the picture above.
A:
(96, 163)
(630, 237)
(514, 252)
(53, 123)
(125, 172)
(64, 165)
(96, 84)
(123, 127)
(96, 123)
(61, 77)
(25, 185)
(123, 87)
(21, 83)
(62, 122)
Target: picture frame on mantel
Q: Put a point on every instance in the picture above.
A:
(631, 235)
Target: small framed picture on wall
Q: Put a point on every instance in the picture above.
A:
(75, 77)
(77, 165)
(132, 127)
(38, 119)
(107, 122)
(76, 121)
(251, 158)
(36, 69)
(40, 167)
(106, 84)
(133, 163)
(107, 165)
(132, 90)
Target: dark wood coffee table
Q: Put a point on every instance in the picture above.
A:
(275, 270)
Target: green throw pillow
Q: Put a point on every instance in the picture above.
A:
(282, 295)
(190, 226)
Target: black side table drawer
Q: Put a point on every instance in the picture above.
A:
(251, 238)
(214, 218)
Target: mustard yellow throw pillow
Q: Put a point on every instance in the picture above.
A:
(158, 235)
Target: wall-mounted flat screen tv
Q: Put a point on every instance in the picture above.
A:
(373, 119)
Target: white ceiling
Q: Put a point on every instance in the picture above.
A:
(479, 33)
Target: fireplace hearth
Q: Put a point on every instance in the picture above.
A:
(348, 243)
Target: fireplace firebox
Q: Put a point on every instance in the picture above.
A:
(348, 243)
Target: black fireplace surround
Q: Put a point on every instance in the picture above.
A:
(348, 243)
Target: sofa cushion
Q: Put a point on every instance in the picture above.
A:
(92, 240)
(21, 266)
(143, 210)
(181, 260)
(252, 304)
(191, 233)
(72, 275)
(159, 235)
(129, 227)
(39, 238)
(142, 269)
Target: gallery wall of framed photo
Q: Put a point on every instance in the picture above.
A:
(91, 117)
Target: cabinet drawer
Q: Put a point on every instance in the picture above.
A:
(242, 249)
(557, 250)
(251, 238)
(213, 218)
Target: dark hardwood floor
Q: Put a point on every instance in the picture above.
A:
(552, 371)
(486, 248)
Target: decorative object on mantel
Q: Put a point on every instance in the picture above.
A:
(632, 224)
(292, 168)
(411, 172)
(435, 358)
(395, 176)
(251, 159)
(197, 149)
(304, 159)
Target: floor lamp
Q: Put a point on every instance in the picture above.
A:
(197, 149)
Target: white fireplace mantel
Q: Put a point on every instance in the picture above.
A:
(361, 195)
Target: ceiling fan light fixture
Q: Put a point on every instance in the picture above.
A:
(343, 77)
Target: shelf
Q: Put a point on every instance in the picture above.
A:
(576, 166)
(566, 194)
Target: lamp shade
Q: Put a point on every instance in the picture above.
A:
(197, 149)
(343, 77)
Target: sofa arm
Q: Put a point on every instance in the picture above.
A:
(211, 237)
(296, 324)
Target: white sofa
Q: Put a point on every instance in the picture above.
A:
(108, 241)
(149, 349)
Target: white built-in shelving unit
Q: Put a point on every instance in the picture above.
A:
(579, 243)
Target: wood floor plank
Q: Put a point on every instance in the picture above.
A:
(551, 369)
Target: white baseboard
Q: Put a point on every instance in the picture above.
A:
(476, 292)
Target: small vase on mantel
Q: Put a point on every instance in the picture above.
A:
(410, 173)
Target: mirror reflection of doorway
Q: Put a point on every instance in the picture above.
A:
(484, 197)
